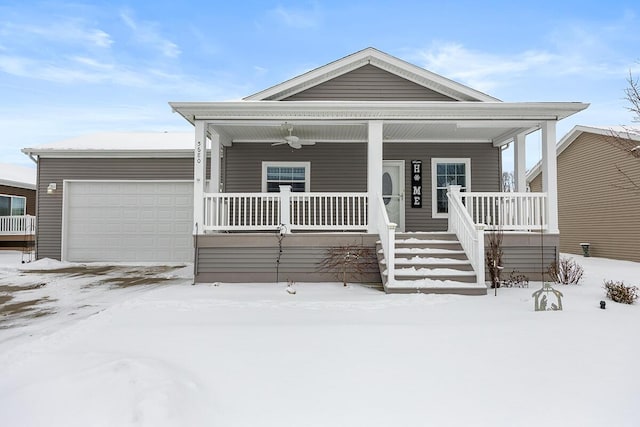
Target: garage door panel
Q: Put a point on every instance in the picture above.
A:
(128, 221)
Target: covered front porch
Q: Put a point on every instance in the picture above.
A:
(428, 134)
(17, 232)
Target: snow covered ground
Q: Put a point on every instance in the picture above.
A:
(140, 346)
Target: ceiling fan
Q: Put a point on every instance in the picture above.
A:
(292, 140)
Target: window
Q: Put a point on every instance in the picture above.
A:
(295, 174)
(12, 205)
(445, 172)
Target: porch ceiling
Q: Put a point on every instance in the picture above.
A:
(338, 121)
(357, 132)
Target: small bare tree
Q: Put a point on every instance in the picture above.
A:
(628, 140)
(493, 257)
(632, 95)
(508, 181)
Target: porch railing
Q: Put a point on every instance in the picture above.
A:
(470, 234)
(387, 232)
(22, 224)
(290, 211)
(507, 211)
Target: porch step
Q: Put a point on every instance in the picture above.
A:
(430, 263)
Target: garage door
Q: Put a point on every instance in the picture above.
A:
(128, 221)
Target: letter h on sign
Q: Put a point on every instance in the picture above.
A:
(416, 183)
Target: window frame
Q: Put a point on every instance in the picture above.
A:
(11, 197)
(287, 164)
(434, 181)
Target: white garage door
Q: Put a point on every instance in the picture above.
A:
(128, 221)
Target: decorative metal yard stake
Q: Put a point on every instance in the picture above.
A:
(541, 301)
(280, 234)
(540, 296)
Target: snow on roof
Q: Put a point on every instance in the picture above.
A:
(120, 141)
(622, 130)
(17, 176)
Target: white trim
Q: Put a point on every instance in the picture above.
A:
(305, 165)
(434, 181)
(96, 154)
(375, 110)
(17, 184)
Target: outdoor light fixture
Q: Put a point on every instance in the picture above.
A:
(51, 188)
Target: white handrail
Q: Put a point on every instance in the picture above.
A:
(18, 224)
(470, 235)
(387, 232)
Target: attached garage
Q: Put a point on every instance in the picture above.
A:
(127, 221)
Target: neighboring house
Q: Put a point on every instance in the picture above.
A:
(358, 152)
(598, 191)
(17, 206)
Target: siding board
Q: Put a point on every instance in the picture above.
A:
(246, 257)
(368, 83)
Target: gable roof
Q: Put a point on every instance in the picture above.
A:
(381, 60)
(17, 176)
(119, 144)
(627, 132)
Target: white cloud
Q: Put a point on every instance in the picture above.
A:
(481, 70)
(298, 17)
(72, 31)
(148, 33)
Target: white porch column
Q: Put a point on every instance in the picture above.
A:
(374, 172)
(199, 175)
(550, 173)
(214, 166)
(519, 163)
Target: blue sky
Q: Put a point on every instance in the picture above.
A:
(69, 68)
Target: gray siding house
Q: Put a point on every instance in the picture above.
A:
(595, 173)
(17, 207)
(368, 151)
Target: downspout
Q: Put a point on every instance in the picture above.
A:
(35, 160)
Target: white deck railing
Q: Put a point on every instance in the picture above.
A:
(328, 211)
(387, 232)
(241, 211)
(507, 211)
(23, 224)
(470, 235)
(290, 211)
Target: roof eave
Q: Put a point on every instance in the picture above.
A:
(376, 110)
(117, 153)
(17, 184)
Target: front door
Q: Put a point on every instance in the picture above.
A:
(393, 190)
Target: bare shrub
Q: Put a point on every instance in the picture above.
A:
(349, 260)
(619, 292)
(516, 280)
(494, 257)
(567, 271)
